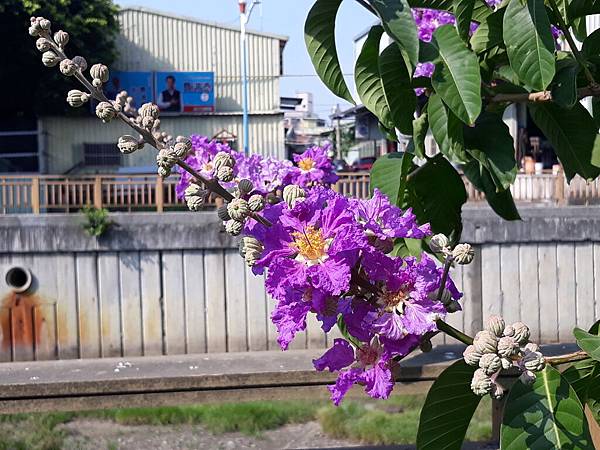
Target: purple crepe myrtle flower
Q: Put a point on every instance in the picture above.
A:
(312, 167)
(382, 220)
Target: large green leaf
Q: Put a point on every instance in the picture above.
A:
(448, 409)
(591, 44)
(397, 88)
(456, 78)
(588, 342)
(579, 375)
(544, 416)
(573, 135)
(529, 42)
(319, 35)
(490, 143)
(502, 201)
(398, 21)
(447, 130)
(564, 89)
(388, 174)
(437, 194)
(581, 8)
(489, 32)
(463, 12)
(368, 81)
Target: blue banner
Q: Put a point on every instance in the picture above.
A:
(185, 92)
(138, 85)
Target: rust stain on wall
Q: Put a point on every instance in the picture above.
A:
(20, 325)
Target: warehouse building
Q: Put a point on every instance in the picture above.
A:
(191, 68)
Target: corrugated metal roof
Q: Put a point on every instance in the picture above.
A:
(203, 22)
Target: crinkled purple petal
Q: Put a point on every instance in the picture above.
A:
(337, 357)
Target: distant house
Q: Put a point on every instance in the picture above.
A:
(191, 68)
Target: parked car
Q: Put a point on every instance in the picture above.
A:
(340, 165)
(363, 164)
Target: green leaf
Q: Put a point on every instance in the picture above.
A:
(564, 89)
(463, 12)
(582, 8)
(448, 409)
(490, 142)
(579, 27)
(420, 127)
(489, 32)
(447, 130)
(319, 35)
(529, 42)
(397, 88)
(397, 19)
(579, 375)
(436, 193)
(573, 135)
(456, 78)
(546, 415)
(588, 342)
(388, 174)
(368, 81)
(501, 202)
(591, 44)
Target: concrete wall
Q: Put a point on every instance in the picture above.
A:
(173, 283)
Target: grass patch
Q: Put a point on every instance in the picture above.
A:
(32, 431)
(394, 421)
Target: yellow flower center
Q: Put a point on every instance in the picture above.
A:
(306, 164)
(207, 167)
(394, 300)
(310, 244)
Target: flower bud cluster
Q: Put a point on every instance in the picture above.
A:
(461, 254)
(251, 250)
(165, 160)
(125, 101)
(39, 26)
(106, 111)
(195, 197)
(128, 144)
(499, 347)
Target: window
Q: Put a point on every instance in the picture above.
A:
(101, 155)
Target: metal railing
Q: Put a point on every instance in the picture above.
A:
(58, 193)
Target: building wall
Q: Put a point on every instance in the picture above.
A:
(65, 137)
(173, 283)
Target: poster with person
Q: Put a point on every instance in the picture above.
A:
(185, 92)
(138, 85)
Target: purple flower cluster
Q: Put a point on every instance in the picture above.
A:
(312, 168)
(331, 256)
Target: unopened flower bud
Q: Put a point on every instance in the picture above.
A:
(147, 122)
(234, 227)
(495, 324)
(506, 363)
(533, 361)
(223, 214)
(256, 203)
(528, 377)
(164, 172)
(245, 186)
(472, 356)
(238, 209)
(463, 253)
(50, 59)
(251, 250)
(34, 30)
(166, 158)
(81, 62)
(97, 82)
(490, 362)
(45, 24)
(128, 144)
(439, 243)
(425, 346)
(61, 38)
(522, 333)
(225, 174)
(273, 199)
(485, 342)
(481, 384)
(509, 331)
(180, 149)
(100, 72)
(43, 44)
(507, 346)
(68, 67)
(223, 159)
(149, 110)
(106, 111)
(293, 193)
(532, 347)
(77, 98)
(194, 197)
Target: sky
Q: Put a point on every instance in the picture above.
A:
(284, 17)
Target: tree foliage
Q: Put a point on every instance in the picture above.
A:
(29, 88)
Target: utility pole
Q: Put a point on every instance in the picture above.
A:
(245, 13)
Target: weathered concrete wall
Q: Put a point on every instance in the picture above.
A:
(174, 283)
